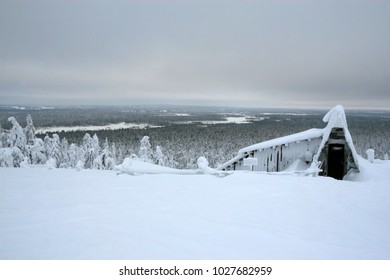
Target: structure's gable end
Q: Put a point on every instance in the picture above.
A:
(337, 152)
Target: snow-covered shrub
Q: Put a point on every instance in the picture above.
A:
(17, 156)
(51, 163)
(370, 155)
(79, 165)
(203, 166)
(25, 163)
(6, 159)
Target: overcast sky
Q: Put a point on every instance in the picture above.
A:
(280, 53)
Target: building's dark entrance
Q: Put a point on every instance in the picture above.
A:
(336, 161)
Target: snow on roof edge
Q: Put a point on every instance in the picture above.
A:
(300, 136)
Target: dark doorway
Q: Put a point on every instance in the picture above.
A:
(336, 161)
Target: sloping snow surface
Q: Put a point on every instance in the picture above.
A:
(66, 214)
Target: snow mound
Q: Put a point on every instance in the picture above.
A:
(134, 166)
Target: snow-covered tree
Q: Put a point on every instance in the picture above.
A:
(87, 151)
(386, 156)
(64, 152)
(91, 151)
(97, 162)
(11, 157)
(3, 138)
(114, 152)
(37, 152)
(73, 155)
(16, 136)
(29, 130)
(48, 144)
(56, 152)
(159, 157)
(145, 150)
(53, 150)
(106, 157)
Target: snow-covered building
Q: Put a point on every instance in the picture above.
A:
(331, 146)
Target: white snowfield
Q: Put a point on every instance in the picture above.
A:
(113, 126)
(92, 214)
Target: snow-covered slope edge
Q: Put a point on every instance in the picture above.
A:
(65, 214)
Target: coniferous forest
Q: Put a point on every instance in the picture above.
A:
(170, 135)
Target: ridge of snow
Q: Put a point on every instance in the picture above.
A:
(307, 134)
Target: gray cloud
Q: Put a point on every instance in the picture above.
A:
(249, 53)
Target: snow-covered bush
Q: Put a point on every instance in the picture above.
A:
(6, 159)
(51, 163)
(203, 166)
(370, 155)
(79, 165)
(17, 156)
(25, 163)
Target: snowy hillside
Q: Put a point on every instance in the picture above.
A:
(92, 214)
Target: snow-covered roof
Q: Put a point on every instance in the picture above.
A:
(285, 140)
(308, 134)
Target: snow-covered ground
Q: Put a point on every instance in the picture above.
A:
(91, 214)
(241, 119)
(123, 125)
